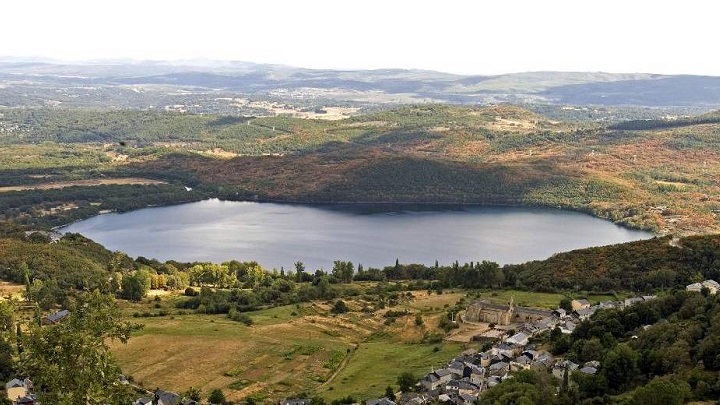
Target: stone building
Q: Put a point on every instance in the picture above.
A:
(485, 311)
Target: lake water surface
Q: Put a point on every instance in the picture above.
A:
(277, 235)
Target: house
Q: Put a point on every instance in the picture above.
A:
(546, 324)
(499, 369)
(531, 354)
(586, 313)
(167, 398)
(519, 339)
(608, 305)
(528, 329)
(26, 400)
(411, 398)
(466, 399)
(588, 370)
(486, 358)
(143, 401)
(462, 387)
(436, 379)
(712, 285)
(520, 363)
(56, 317)
(580, 304)
(15, 383)
(631, 301)
(560, 313)
(474, 373)
(493, 381)
(444, 398)
(567, 327)
(543, 360)
(17, 388)
(559, 369)
(430, 382)
(380, 401)
(504, 349)
(592, 363)
(456, 368)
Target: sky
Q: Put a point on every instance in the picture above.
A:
(466, 37)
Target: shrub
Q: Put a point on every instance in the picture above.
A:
(339, 307)
(238, 316)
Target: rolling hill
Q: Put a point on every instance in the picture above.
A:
(660, 175)
(152, 84)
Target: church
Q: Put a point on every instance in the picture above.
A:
(485, 311)
(498, 314)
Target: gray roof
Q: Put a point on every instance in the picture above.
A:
(14, 383)
(27, 399)
(431, 377)
(531, 353)
(567, 363)
(468, 398)
(586, 311)
(443, 372)
(588, 370)
(57, 316)
(519, 337)
(499, 365)
(167, 398)
(467, 385)
(457, 365)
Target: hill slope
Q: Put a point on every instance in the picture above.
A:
(660, 175)
(145, 84)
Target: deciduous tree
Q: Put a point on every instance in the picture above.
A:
(70, 362)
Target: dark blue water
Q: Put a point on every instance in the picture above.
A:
(278, 235)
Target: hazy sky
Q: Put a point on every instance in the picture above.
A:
(480, 37)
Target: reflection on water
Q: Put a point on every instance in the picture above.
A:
(277, 235)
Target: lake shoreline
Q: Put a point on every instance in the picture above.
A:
(368, 203)
(280, 233)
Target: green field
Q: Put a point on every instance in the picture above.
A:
(377, 364)
(542, 300)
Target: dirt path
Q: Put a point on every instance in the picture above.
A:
(340, 368)
(91, 182)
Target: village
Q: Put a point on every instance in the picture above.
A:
(506, 332)
(464, 378)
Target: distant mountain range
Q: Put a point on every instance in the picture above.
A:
(368, 86)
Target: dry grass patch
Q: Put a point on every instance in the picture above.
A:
(214, 352)
(8, 289)
(84, 183)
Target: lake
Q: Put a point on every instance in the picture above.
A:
(278, 235)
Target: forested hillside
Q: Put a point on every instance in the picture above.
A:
(659, 175)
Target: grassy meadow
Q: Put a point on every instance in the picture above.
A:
(296, 349)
